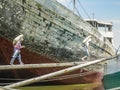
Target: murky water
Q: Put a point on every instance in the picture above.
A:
(92, 86)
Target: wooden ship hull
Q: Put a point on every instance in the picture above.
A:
(52, 34)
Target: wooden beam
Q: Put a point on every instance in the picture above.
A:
(3, 88)
(44, 65)
(70, 69)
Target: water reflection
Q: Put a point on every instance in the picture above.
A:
(91, 86)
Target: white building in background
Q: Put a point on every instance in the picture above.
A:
(105, 28)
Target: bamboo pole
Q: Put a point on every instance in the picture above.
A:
(44, 65)
(3, 88)
(70, 69)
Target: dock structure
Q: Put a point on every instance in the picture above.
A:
(60, 72)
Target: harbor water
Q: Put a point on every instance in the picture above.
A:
(92, 86)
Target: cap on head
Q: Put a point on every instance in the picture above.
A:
(21, 35)
(19, 38)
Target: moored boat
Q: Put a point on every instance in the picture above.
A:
(52, 34)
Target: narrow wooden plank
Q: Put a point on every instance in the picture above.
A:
(42, 65)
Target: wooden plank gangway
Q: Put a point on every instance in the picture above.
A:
(42, 65)
(46, 65)
(3, 88)
(60, 72)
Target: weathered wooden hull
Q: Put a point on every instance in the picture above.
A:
(50, 36)
(75, 77)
